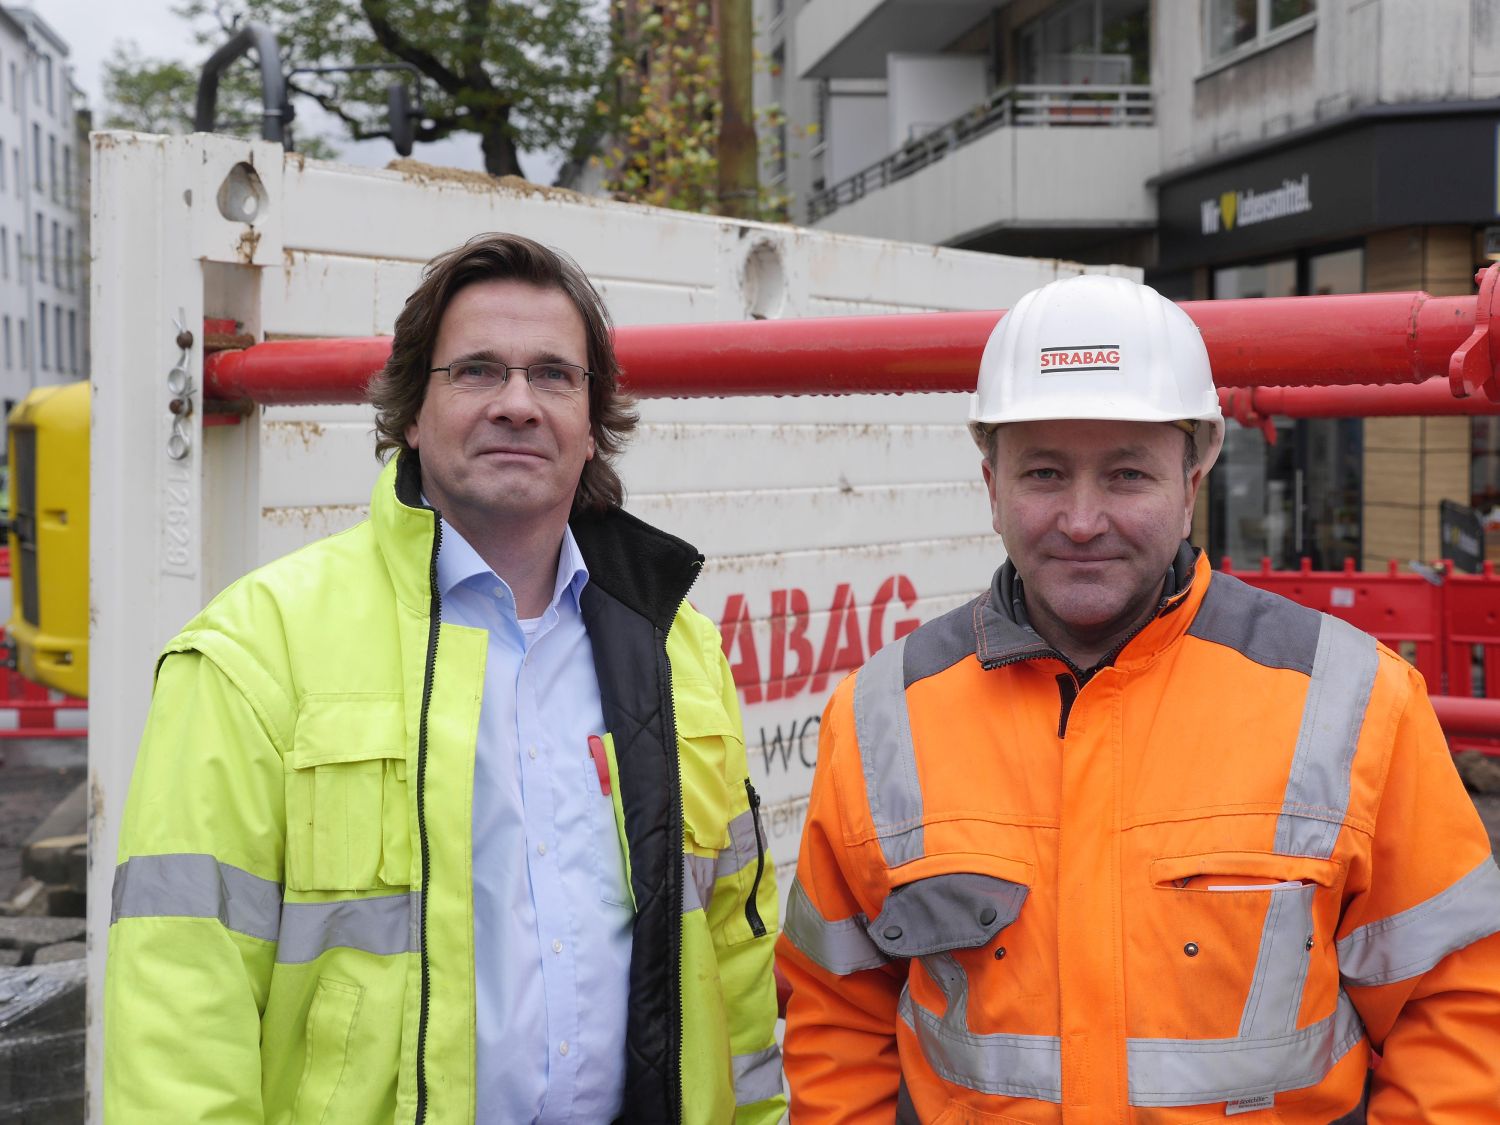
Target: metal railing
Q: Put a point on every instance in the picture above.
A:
(1029, 106)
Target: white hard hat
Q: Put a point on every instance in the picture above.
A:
(1097, 347)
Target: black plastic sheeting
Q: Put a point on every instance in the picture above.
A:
(41, 1044)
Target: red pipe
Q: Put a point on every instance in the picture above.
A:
(1371, 338)
(1434, 398)
(1463, 715)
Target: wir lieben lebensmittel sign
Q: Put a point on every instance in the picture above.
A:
(1247, 207)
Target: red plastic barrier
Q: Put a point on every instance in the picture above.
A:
(32, 708)
(1446, 625)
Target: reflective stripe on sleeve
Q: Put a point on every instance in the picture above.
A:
(701, 872)
(697, 881)
(199, 886)
(1408, 944)
(757, 1076)
(382, 926)
(1172, 1072)
(840, 947)
(196, 886)
(883, 727)
(1338, 691)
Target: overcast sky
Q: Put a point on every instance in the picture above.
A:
(91, 28)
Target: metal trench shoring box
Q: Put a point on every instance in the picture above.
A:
(49, 536)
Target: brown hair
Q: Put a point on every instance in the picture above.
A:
(398, 389)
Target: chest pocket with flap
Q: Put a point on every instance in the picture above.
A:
(347, 826)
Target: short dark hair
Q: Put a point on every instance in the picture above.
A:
(991, 436)
(399, 388)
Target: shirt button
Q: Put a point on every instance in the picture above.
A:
(500, 592)
(562, 1048)
(541, 849)
(557, 948)
(531, 752)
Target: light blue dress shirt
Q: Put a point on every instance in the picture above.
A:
(552, 913)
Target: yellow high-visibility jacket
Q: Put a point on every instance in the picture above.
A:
(1199, 886)
(292, 934)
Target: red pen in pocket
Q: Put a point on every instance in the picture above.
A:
(601, 762)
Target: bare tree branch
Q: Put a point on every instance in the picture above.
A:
(392, 40)
(476, 29)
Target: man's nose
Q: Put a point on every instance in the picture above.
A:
(1083, 514)
(514, 401)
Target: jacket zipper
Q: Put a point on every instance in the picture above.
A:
(433, 621)
(752, 910)
(674, 870)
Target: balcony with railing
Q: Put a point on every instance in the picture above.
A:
(1027, 155)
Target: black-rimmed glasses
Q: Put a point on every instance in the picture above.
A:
(485, 374)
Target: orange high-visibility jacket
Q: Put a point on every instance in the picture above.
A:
(1201, 885)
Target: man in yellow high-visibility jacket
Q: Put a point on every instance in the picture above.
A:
(446, 818)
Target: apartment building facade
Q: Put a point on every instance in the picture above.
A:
(1231, 148)
(43, 209)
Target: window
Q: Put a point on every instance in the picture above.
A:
(73, 341)
(57, 320)
(1235, 26)
(36, 153)
(40, 249)
(16, 160)
(2, 165)
(52, 167)
(68, 260)
(20, 256)
(15, 88)
(8, 363)
(57, 273)
(4, 253)
(67, 175)
(41, 333)
(1088, 42)
(47, 75)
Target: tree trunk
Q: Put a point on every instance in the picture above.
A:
(500, 157)
(739, 179)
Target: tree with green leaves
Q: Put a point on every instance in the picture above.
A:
(518, 73)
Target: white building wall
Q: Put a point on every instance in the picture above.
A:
(1358, 53)
(40, 191)
(928, 91)
(858, 126)
(1028, 176)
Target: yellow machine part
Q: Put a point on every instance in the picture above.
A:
(48, 457)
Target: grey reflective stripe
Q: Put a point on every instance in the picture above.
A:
(757, 1076)
(372, 925)
(1406, 945)
(1173, 1072)
(196, 886)
(841, 947)
(697, 881)
(1018, 1066)
(883, 728)
(1281, 967)
(1338, 691)
(700, 873)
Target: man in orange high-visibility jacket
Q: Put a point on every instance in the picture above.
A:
(1124, 840)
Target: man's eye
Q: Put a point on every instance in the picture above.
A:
(1132, 474)
(1042, 474)
(471, 372)
(551, 374)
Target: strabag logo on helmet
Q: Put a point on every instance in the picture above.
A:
(1093, 357)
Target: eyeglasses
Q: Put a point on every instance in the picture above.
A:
(484, 374)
